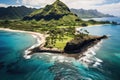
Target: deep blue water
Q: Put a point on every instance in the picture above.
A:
(46, 66)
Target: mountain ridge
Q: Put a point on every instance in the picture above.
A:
(91, 13)
(15, 12)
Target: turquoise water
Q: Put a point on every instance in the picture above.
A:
(110, 50)
(46, 66)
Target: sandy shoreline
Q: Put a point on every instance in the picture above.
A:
(40, 40)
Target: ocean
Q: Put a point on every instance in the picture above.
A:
(100, 63)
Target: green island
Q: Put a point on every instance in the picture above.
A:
(59, 24)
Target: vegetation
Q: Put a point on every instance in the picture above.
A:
(14, 12)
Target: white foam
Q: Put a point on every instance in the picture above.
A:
(96, 64)
(89, 56)
(26, 56)
(34, 36)
(93, 53)
(55, 57)
(98, 60)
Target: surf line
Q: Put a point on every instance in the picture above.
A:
(40, 40)
(89, 58)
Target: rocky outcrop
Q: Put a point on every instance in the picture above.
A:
(77, 46)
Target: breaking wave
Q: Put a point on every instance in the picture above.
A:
(89, 58)
(26, 56)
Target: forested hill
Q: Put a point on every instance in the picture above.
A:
(56, 11)
(15, 12)
(82, 13)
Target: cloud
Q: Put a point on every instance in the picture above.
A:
(86, 4)
(3, 5)
(113, 8)
(36, 3)
(17, 1)
(6, 5)
(70, 3)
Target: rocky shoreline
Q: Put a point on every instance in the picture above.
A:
(71, 50)
(77, 50)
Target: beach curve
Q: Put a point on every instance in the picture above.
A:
(40, 40)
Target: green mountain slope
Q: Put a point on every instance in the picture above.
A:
(89, 13)
(58, 10)
(15, 12)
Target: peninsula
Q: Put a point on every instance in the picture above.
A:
(65, 40)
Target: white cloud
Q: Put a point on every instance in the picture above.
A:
(86, 4)
(113, 9)
(17, 1)
(37, 3)
(3, 5)
(70, 3)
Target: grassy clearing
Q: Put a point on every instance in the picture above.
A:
(61, 44)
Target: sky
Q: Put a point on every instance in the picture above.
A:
(104, 6)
